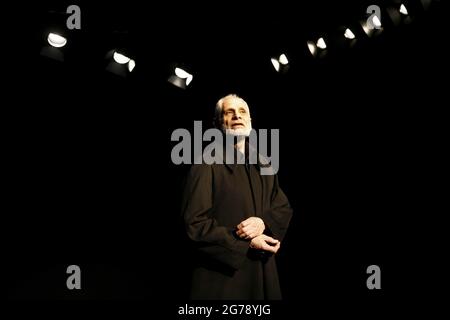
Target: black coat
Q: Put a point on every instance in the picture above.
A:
(216, 199)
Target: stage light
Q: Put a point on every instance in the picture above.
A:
(349, 34)
(376, 22)
(184, 75)
(403, 13)
(120, 58)
(317, 48)
(283, 59)
(374, 27)
(403, 10)
(312, 48)
(54, 47)
(56, 40)
(131, 65)
(281, 63)
(275, 64)
(181, 78)
(321, 44)
(119, 63)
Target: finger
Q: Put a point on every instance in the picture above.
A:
(251, 236)
(277, 247)
(248, 229)
(245, 222)
(271, 240)
(266, 247)
(268, 239)
(242, 234)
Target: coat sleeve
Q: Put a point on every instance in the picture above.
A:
(212, 239)
(278, 216)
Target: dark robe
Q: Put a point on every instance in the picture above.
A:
(216, 199)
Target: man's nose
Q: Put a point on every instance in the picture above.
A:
(237, 116)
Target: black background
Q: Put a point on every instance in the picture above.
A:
(88, 175)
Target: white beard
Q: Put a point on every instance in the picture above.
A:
(239, 132)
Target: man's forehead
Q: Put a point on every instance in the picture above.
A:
(233, 102)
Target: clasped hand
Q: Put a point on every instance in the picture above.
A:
(252, 229)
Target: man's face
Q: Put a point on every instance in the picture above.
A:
(236, 117)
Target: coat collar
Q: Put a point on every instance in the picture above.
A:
(262, 161)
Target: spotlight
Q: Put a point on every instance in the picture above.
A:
(376, 22)
(372, 26)
(55, 36)
(349, 34)
(184, 75)
(131, 65)
(181, 78)
(317, 48)
(344, 37)
(321, 44)
(402, 13)
(403, 10)
(312, 48)
(53, 48)
(55, 40)
(275, 64)
(283, 59)
(281, 64)
(119, 63)
(120, 58)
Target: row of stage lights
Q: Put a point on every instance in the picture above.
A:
(121, 64)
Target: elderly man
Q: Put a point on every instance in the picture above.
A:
(236, 219)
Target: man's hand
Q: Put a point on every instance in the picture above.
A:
(265, 243)
(250, 228)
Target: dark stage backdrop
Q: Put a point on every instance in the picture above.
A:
(89, 178)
